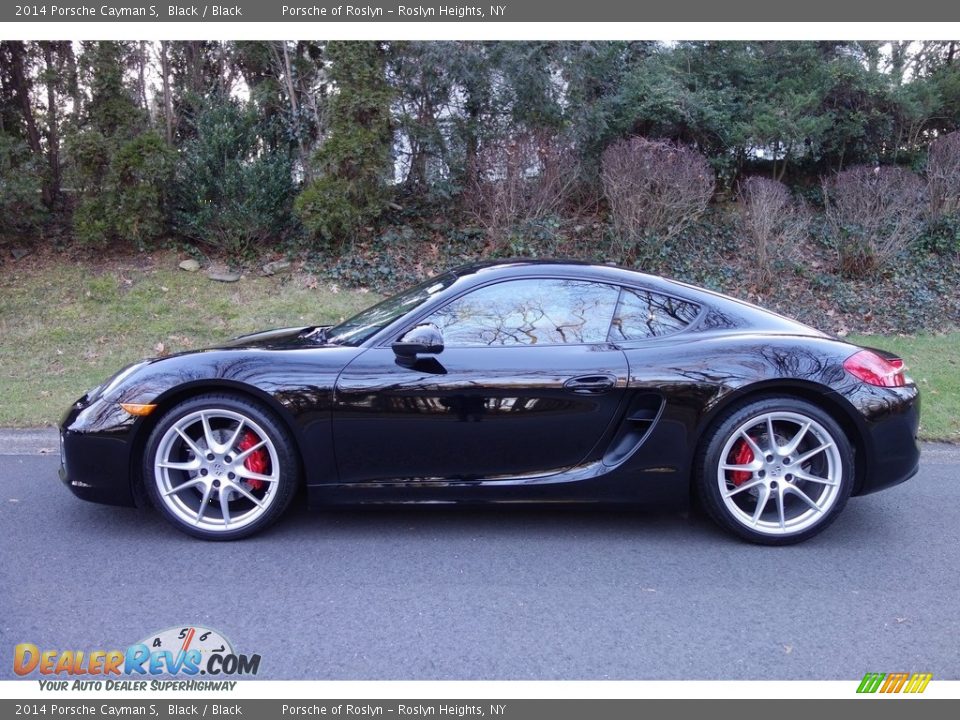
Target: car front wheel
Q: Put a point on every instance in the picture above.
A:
(775, 471)
(220, 467)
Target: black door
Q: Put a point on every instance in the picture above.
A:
(526, 384)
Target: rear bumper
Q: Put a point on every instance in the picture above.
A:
(892, 455)
(95, 453)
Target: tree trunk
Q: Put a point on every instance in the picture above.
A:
(71, 79)
(167, 98)
(22, 88)
(310, 87)
(193, 50)
(898, 60)
(294, 108)
(222, 68)
(288, 79)
(53, 130)
(142, 75)
(786, 158)
(417, 177)
(472, 170)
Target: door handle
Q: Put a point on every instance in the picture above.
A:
(590, 384)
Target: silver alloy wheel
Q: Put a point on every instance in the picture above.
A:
(203, 473)
(780, 473)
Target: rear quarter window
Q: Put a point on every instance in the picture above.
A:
(642, 314)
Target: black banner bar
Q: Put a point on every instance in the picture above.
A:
(537, 11)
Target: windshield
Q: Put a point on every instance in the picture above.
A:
(370, 321)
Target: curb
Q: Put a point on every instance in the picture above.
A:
(29, 441)
(939, 453)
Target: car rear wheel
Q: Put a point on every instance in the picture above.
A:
(775, 471)
(220, 467)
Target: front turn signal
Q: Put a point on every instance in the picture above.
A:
(138, 410)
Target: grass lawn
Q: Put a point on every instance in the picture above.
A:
(66, 326)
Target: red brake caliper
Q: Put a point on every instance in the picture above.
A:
(740, 455)
(256, 461)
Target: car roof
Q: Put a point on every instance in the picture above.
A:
(519, 267)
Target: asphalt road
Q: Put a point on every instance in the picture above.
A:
(522, 593)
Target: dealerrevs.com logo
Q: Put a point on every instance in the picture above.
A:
(179, 652)
(899, 682)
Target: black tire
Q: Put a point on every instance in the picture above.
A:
(279, 456)
(754, 503)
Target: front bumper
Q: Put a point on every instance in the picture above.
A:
(95, 441)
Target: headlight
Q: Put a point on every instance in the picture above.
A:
(95, 393)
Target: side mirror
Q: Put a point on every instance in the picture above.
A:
(424, 339)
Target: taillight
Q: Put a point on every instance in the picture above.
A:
(874, 369)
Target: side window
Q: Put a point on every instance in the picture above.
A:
(529, 312)
(643, 314)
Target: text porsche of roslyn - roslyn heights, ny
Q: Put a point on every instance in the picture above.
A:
(441, 12)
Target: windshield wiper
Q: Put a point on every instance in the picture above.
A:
(318, 334)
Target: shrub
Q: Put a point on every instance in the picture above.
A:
(91, 225)
(21, 182)
(773, 221)
(121, 187)
(655, 188)
(941, 236)
(141, 169)
(332, 208)
(231, 193)
(354, 164)
(87, 152)
(873, 214)
(943, 175)
(526, 179)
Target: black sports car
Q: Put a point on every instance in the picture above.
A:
(507, 382)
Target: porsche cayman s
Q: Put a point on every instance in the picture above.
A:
(508, 382)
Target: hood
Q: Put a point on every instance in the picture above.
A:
(280, 337)
(248, 360)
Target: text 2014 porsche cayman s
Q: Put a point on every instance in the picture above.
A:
(504, 382)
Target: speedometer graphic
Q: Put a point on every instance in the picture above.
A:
(179, 641)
